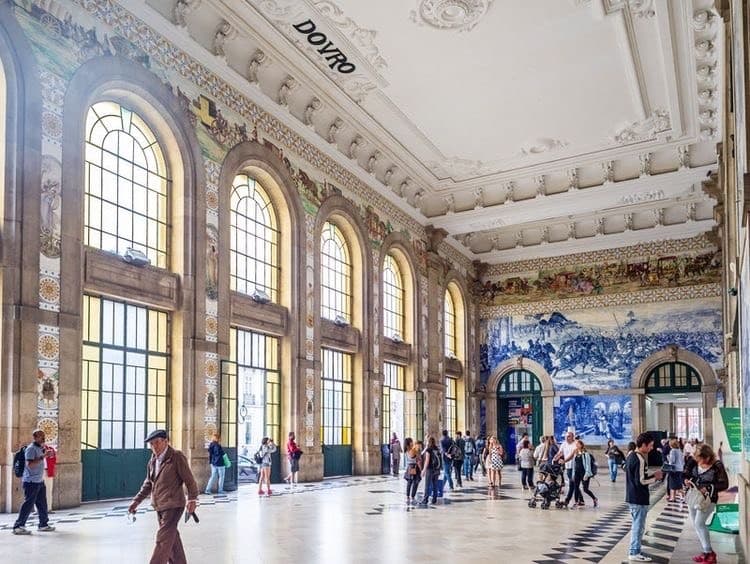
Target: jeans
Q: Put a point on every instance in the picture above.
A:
(430, 486)
(638, 513)
(218, 473)
(612, 469)
(574, 487)
(447, 471)
(412, 483)
(586, 490)
(699, 519)
(469, 466)
(457, 466)
(34, 493)
(527, 478)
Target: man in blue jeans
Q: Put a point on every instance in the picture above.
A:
(470, 449)
(445, 445)
(34, 491)
(637, 481)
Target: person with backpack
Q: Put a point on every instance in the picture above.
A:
(457, 457)
(470, 452)
(293, 453)
(431, 464)
(445, 445)
(615, 459)
(267, 448)
(709, 477)
(218, 468)
(590, 470)
(32, 477)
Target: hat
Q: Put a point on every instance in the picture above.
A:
(157, 434)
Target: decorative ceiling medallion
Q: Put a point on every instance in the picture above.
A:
(458, 168)
(462, 15)
(543, 145)
(658, 122)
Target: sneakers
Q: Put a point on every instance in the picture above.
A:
(261, 492)
(705, 558)
(639, 558)
(596, 503)
(21, 531)
(46, 529)
(269, 493)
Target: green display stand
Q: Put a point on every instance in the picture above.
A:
(726, 519)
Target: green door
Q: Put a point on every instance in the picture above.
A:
(228, 421)
(518, 392)
(103, 476)
(336, 412)
(337, 460)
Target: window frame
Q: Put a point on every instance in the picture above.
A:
(394, 299)
(336, 274)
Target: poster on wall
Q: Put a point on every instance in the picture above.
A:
(599, 349)
(728, 438)
(595, 418)
(745, 348)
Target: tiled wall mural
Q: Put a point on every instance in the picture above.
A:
(598, 349)
(222, 117)
(596, 419)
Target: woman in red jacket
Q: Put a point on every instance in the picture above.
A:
(293, 453)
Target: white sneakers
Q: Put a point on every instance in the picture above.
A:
(639, 558)
(25, 531)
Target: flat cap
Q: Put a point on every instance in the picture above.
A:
(157, 434)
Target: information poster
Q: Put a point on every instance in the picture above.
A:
(745, 348)
(728, 438)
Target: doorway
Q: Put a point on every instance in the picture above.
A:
(519, 409)
(674, 403)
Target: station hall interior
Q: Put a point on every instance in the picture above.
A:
(233, 220)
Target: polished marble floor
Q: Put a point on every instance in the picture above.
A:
(364, 519)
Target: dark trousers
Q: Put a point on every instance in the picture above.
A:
(586, 490)
(168, 547)
(458, 466)
(527, 477)
(412, 483)
(430, 486)
(574, 488)
(34, 493)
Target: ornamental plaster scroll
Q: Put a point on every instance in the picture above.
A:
(654, 295)
(542, 145)
(654, 248)
(460, 15)
(163, 53)
(458, 168)
(705, 28)
(658, 122)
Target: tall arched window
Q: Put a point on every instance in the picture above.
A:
(127, 184)
(335, 274)
(393, 299)
(449, 308)
(254, 239)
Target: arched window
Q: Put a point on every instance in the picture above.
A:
(449, 308)
(519, 382)
(127, 185)
(673, 377)
(393, 299)
(254, 239)
(335, 275)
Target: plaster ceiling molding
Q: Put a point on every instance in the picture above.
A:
(225, 33)
(460, 15)
(706, 34)
(363, 39)
(358, 87)
(542, 145)
(258, 60)
(642, 8)
(641, 197)
(645, 129)
(478, 198)
(457, 168)
(334, 129)
(311, 110)
(287, 87)
(182, 10)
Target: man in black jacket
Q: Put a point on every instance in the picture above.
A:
(637, 481)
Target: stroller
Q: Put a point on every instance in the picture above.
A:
(548, 486)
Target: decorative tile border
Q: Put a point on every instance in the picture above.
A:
(643, 297)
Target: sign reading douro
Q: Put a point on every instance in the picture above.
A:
(336, 59)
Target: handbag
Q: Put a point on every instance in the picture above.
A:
(697, 500)
(227, 462)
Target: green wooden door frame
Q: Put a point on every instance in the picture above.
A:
(108, 474)
(229, 388)
(518, 384)
(337, 460)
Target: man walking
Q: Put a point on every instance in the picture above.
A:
(567, 454)
(457, 456)
(34, 492)
(167, 475)
(470, 448)
(445, 446)
(637, 481)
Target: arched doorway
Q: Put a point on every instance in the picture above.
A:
(676, 394)
(674, 401)
(519, 408)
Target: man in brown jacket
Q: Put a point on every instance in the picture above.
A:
(166, 474)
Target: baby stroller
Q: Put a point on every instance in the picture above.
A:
(548, 486)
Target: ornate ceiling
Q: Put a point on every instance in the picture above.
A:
(524, 128)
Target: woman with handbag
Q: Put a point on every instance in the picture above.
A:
(293, 453)
(413, 473)
(708, 477)
(267, 448)
(676, 462)
(615, 458)
(216, 457)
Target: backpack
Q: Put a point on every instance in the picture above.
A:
(258, 457)
(19, 462)
(454, 451)
(594, 468)
(435, 463)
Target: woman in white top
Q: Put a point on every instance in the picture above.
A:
(676, 461)
(526, 461)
